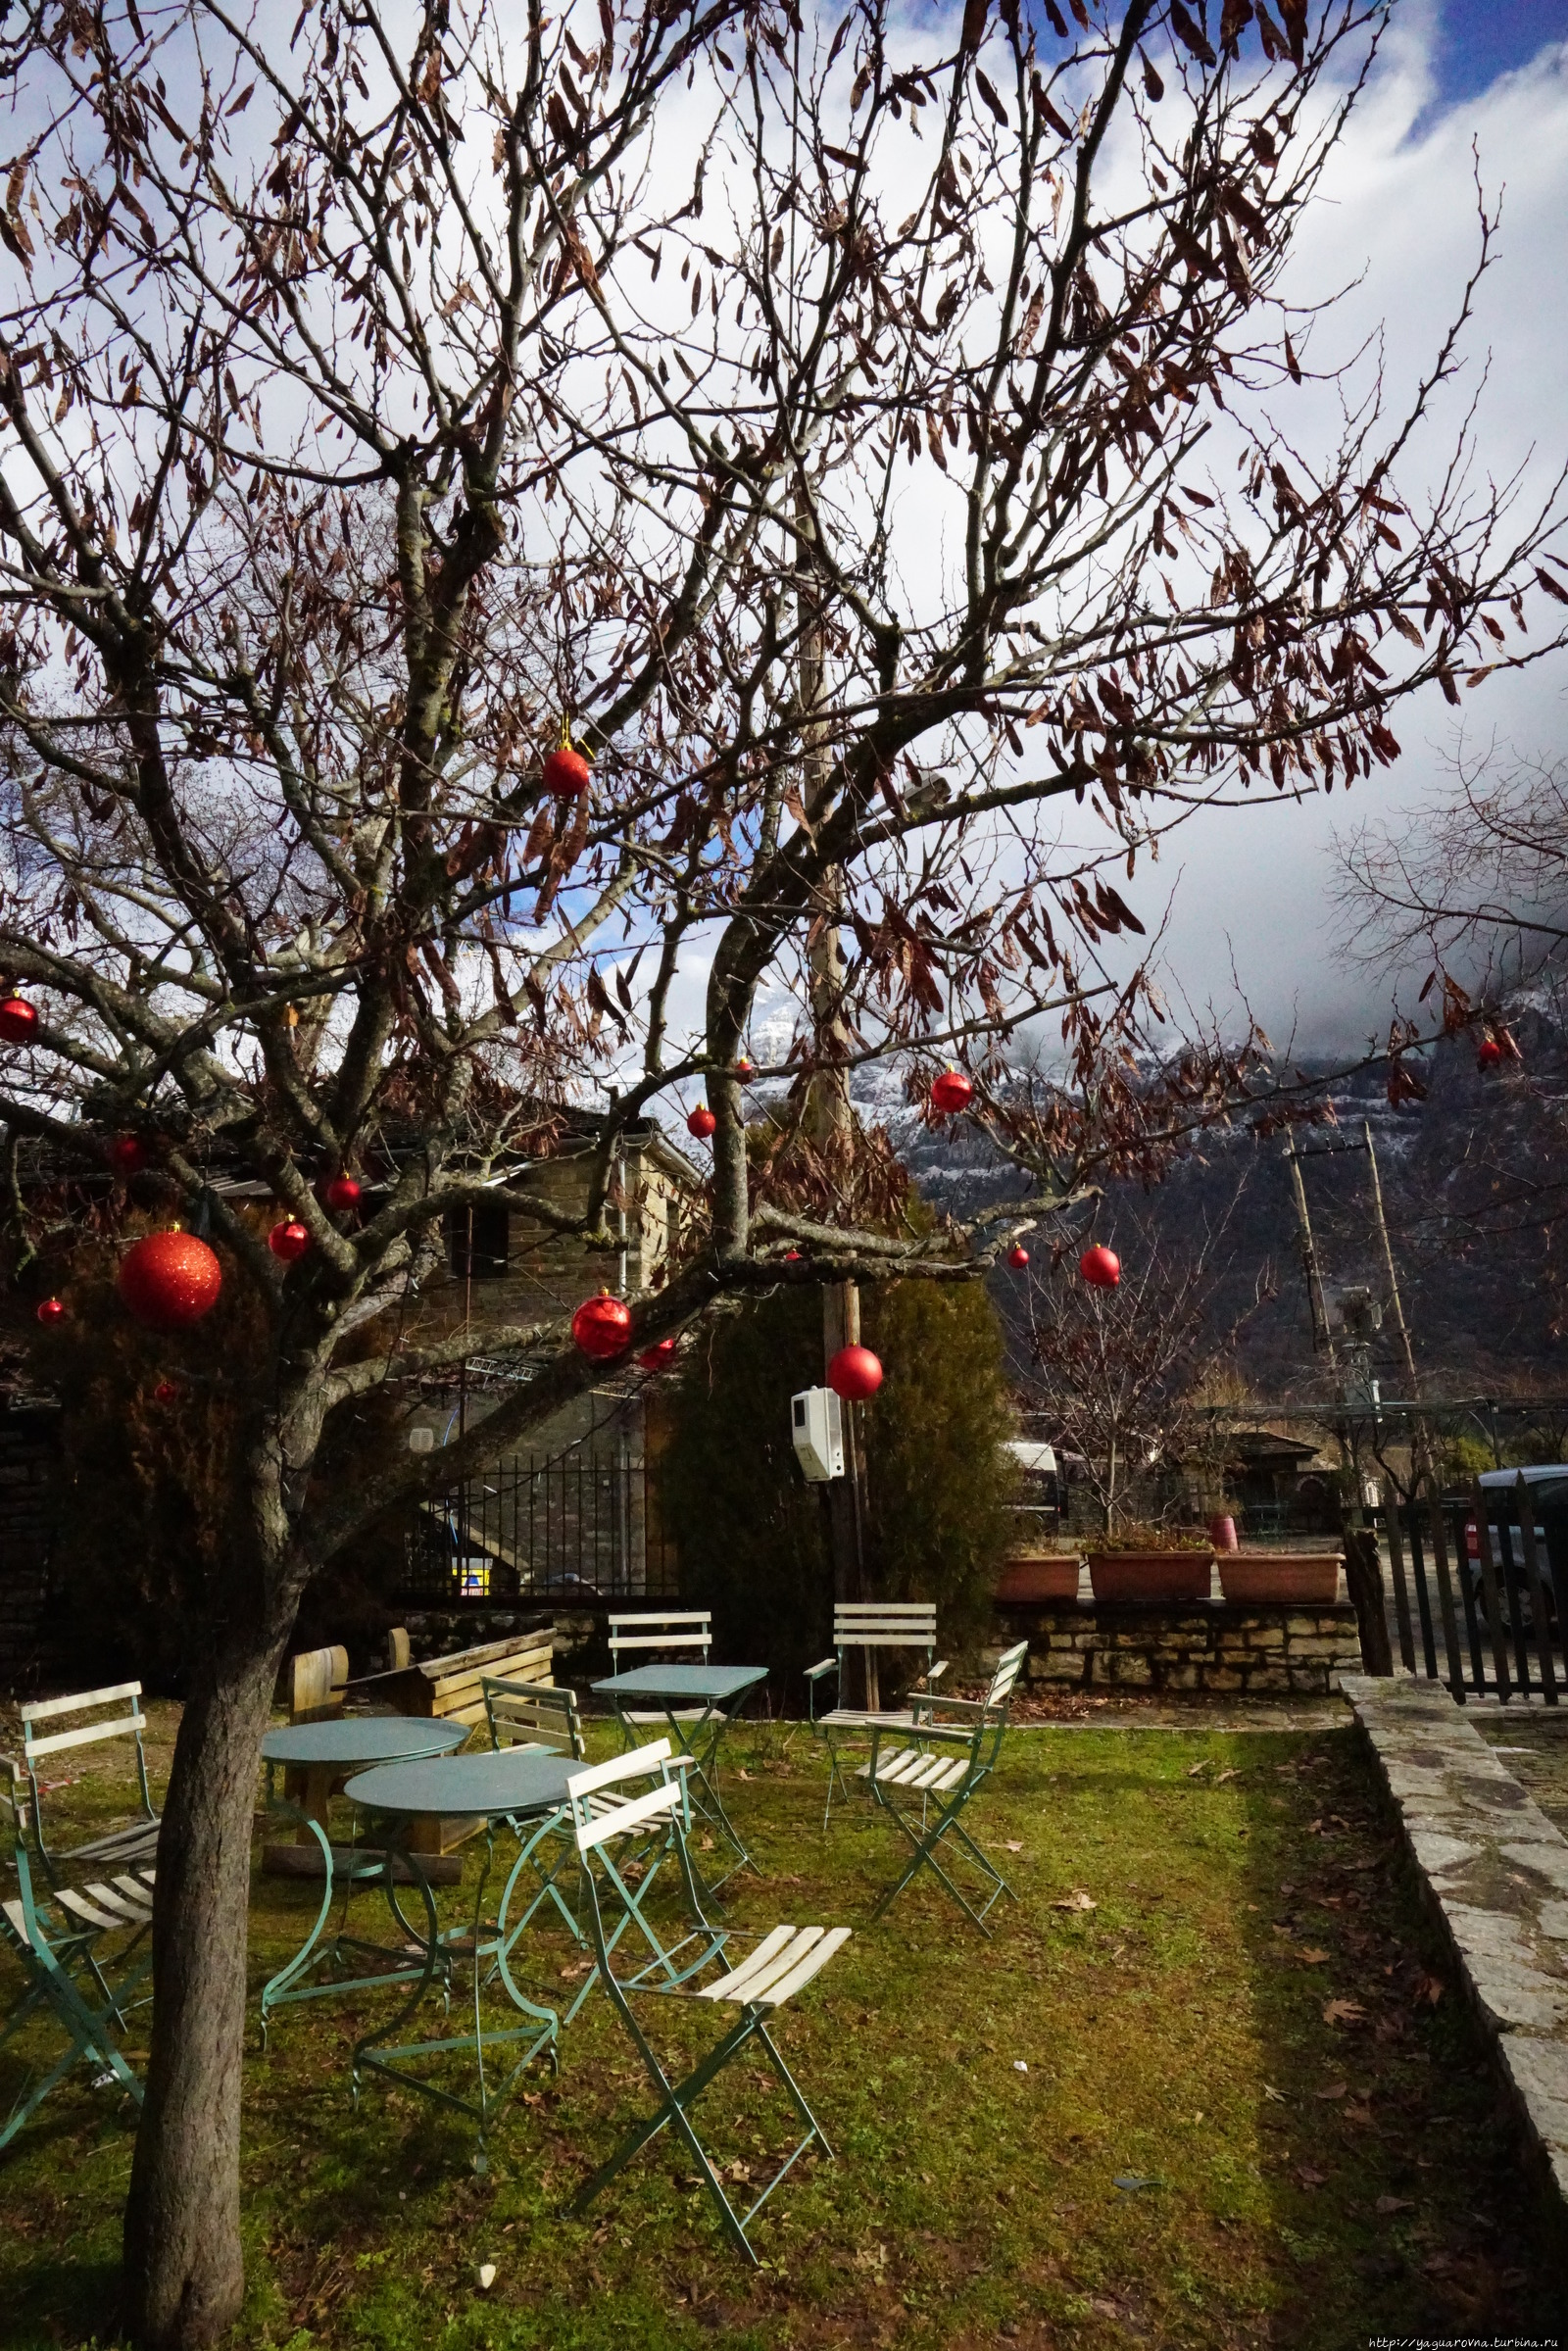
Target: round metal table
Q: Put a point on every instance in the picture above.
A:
(322, 1753)
(526, 1788)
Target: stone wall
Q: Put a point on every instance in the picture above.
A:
(27, 1460)
(1187, 1645)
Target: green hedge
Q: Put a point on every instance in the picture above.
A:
(751, 1536)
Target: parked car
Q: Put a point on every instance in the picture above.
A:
(1547, 1485)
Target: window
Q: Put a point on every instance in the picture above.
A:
(477, 1240)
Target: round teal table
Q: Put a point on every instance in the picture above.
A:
(520, 1788)
(322, 1752)
(697, 1701)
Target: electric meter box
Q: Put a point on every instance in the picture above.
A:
(816, 1424)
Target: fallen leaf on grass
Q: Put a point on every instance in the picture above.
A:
(1277, 2095)
(487, 2276)
(1312, 1958)
(1193, 1769)
(1343, 2012)
(1334, 2089)
(1132, 2182)
(1431, 1991)
(1076, 1902)
(1310, 2178)
(1220, 1778)
(1385, 2205)
(1012, 1847)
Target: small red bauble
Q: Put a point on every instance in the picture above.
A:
(51, 1309)
(167, 1390)
(1100, 1267)
(1018, 1255)
(1490, 1054)
(602, 1327)
(567, 773)
(655, 1359)
(342, 1193)
(170, 1279)
(128, 1154)
(288, 1241)
(745, 1068)
(952, 1091)
(17, 1019)
(701, 1122)
(855, 1373)
(792, 1256)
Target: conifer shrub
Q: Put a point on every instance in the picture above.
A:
(751, 1536)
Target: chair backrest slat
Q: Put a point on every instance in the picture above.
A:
(127, 1722)
(620, 1820)
(1009, 1665)
(533, 1714)
(660, 1628)
(635, 1766)
(42, 1710)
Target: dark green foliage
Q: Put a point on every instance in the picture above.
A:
(751, 1536)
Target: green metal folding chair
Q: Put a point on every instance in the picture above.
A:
(63, 1944)
(606, 1814)
(944, 1765)
(870, 1627)
(113, 1713)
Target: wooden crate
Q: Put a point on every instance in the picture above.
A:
(452, 1689)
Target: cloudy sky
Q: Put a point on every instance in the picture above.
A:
(1250, 888)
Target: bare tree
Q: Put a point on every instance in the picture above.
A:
(866, 439)
(1122, 1376)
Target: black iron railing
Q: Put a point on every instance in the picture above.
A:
(1480, 1597)
(582, 1526)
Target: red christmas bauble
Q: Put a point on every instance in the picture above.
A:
(952, 1091)
(342, 1193)
(855, 1373)
(128, 1154)
(288, 1241)
(1490, 1054)
(655, 1358)
(170, 1279)
(167, 1390)
(701, 1122)
(17, 1019)
(1018, 1255)
(792, 1256)
(602, 1327)
(51, 1309)
(1100, 1267)
(567, 773)
(745, 1068)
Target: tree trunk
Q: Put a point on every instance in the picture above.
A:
(183, 2270)
(1364, 1577)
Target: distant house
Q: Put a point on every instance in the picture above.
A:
(1272, 1480)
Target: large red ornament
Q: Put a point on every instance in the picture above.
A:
(288, 1241)
(1018, 1255)
(1100, 1267)
(952, 1091)
(51, 1310)
(602, 1327)
(170, 1279)
(128, 1154)
(655, 1358)
(1490, 1054)
(341, 1194)
(567, 773)
(745, 1068)
(701, 1122)
(17, 1019)
(853, 1374)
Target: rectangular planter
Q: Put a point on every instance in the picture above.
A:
(1040, 1579)
(1303, 1578)
(1149, 1575)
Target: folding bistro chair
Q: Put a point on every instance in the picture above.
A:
(659, 1635)
(944, 1765)
(60, 1943)
(869, 1626)
(605, 1812)
(537, 1715)
(121, 1717)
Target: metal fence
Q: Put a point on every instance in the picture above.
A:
(583, 1526)
(1477, 1597)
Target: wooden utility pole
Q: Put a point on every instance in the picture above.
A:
(1316, 1304)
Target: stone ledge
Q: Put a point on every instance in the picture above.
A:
(1493, 1868)
(1255, 1648)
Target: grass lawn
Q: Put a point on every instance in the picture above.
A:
(1254, 2110)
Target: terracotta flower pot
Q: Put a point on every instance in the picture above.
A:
(1034, 1577)
(1301, 1577)
(1149, 1575)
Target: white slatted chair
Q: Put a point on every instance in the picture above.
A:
(871, 1627)
(944, 1764)
(64, 1948)
(656, 1636)
(605, 1813)
(120, 1707)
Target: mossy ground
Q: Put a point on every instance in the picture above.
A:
(1253, 2021)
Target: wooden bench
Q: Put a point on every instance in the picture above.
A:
(316, 1682)
(118, 1709)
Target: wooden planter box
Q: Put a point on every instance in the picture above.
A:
(1040, 1578)
(1149, 1575)
(1303, 1578)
